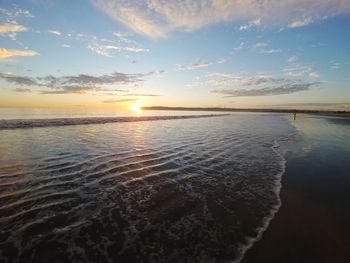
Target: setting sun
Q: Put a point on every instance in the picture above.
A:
(136, 107)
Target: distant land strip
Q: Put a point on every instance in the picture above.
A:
(323, 112)
(31, 123)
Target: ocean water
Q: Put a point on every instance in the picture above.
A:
(176, 190)
(54, 113)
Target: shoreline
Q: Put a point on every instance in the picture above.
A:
(267, 220)
(315, 112)
(312, 222)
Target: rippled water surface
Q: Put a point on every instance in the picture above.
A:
(190, 190)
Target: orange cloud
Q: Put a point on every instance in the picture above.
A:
(11, 28)
(5, 53)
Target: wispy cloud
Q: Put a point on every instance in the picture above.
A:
(270, 51)
(11, 30)
(314, 74)
(22, 90)
(268, 91)
(199, 64)
(11, 15)
(253, 23)
(18, 80)
(222, 79)
(241, 46)
(55, 32)
(230, 85)
(141, 95)
(335, 65)
(156, 18)
(6, 53)
(105, 49)
(292, 59)
(263, 48)
(296, 69)
(261, 44)
(119, 101)
(135, 49)
(8, 24)
(77, 84)
(192, 66)
(301, 22)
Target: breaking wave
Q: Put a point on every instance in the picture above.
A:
(30, 123)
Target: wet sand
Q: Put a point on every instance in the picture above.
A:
(313, 223)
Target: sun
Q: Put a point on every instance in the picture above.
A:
(136, 107)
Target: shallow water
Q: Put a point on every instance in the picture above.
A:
(313, 222)
(189, 190)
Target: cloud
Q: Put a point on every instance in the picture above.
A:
(314, 74)
(78, 84)
(17, 12)
(24, 90)
(104, 50)
(157, 18)
(292, 59)
(135, 49)
(192, 66)
(301, 22)
(219, 79)
(5, 53)
(10, 29)
(66, 45)
(8, 24)
(18, 80)
(142, 95)
(270, 51)
(69, 89)
(297, 69)
(335, 65)
(250, 24)
(54, 32)
(261, 44)
(230, 85)
(262, 48)
(268, 91)
(199, 64)
(118, 42)
(119, 101)
(241, 46)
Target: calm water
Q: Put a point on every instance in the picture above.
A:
(190, 190)
(38, 113)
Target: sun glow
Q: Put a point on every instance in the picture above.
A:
(136, 107)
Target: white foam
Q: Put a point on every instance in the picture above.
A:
(267, 220)
(30, 123)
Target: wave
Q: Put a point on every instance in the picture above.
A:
(31, 123)
(199, 191)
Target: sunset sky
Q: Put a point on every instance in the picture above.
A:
(219, 53)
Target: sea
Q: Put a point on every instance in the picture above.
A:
(137, 186)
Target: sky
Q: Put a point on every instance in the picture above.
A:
(218, 53)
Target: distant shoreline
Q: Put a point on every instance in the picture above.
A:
(318, 112)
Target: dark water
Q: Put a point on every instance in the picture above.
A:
(191, 190)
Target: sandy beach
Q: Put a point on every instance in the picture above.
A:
(313, 223)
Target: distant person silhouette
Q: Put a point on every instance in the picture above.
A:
(295, 115)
